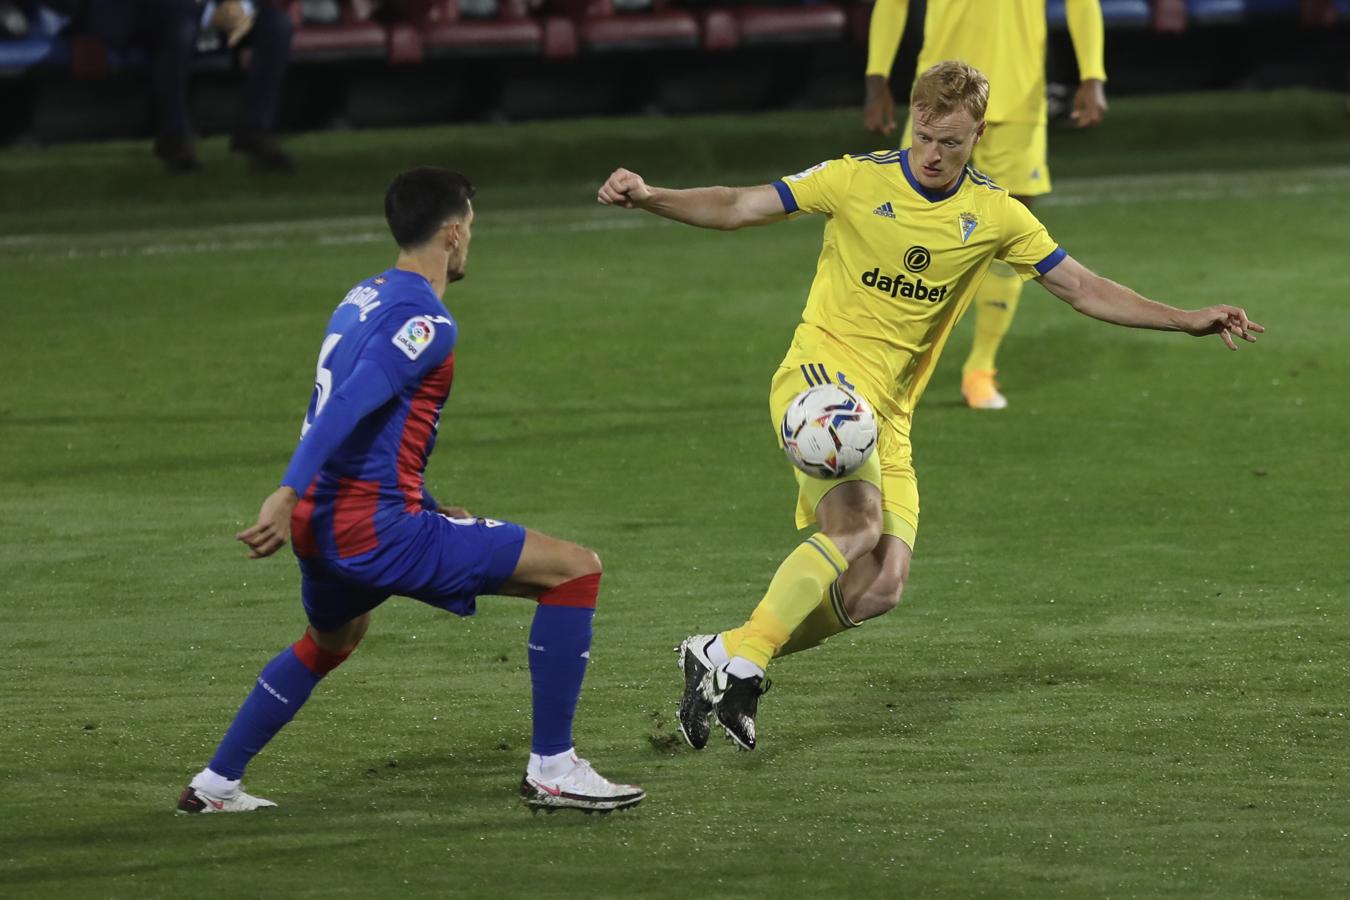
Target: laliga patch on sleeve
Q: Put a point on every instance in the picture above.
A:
(415, 336)
(800, 175)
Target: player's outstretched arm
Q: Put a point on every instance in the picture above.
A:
(723, 208)
(1101, 298)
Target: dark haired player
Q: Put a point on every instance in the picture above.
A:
(364, 528)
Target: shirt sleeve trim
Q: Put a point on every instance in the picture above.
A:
(1051, 261)
(785, 195)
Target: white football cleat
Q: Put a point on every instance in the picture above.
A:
(581, 787)
(197, 800)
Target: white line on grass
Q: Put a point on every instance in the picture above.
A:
(351, 230)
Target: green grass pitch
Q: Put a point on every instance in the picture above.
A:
(1120, 669)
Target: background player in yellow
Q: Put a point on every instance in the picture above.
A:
(1006, 41)
(909, 235)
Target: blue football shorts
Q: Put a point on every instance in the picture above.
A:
(444, 562)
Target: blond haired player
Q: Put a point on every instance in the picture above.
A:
(909, 234)
(1006, 41)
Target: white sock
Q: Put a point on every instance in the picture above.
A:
(740, 667)
(213, 784)
(717, 652)
(552, 766)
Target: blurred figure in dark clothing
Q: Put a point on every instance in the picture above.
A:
(169, 29)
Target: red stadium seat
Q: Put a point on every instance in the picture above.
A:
(1169, 15)
(815, 24)
(603, 29)
(1319, 13)
(352, 36)
(507, 30)
(719, 30)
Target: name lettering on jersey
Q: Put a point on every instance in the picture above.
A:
(363, 298)
(899, 285)
(802, 174)
(967, 222)
(415, 336)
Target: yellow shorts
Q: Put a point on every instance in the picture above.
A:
(1013, 154)
(890, 466)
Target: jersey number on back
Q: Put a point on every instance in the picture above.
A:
(323, 382)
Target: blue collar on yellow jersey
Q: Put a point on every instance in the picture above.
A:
(930, 196)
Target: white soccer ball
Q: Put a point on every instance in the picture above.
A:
(828, 431)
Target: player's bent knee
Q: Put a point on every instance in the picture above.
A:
(857, 537)
(589, 562)
(580, 590)
(575, 562)
(320, 659)
(851, 516)
(340, 641)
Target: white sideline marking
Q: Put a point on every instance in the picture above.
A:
(336, 231)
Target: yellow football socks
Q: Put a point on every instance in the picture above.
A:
(826, 620)
(793, 595)
(995, 306)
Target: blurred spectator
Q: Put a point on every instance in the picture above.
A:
(169, 31)
(13, 22)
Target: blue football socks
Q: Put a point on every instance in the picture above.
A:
(560, 644)
(283, 687)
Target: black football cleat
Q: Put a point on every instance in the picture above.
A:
(695, 708)
(736, 702)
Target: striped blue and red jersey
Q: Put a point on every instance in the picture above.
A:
(383, 375)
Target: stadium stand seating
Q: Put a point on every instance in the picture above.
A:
(1115, 13)
(1213, 12)
(486, 28)
(330, 31)
(1201, 13)
(610, 26)
(35, 42)
(807, 24)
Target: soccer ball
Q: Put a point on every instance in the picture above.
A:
(828, 431)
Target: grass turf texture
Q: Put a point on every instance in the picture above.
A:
(1120, 668)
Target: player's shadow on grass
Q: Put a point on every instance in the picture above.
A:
(817, 708)
(466, 777)
(91, 855)
(917, 704)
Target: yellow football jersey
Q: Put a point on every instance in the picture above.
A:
(898, 266)
(1004, 39)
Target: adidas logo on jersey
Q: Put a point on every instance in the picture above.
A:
(884, 210)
